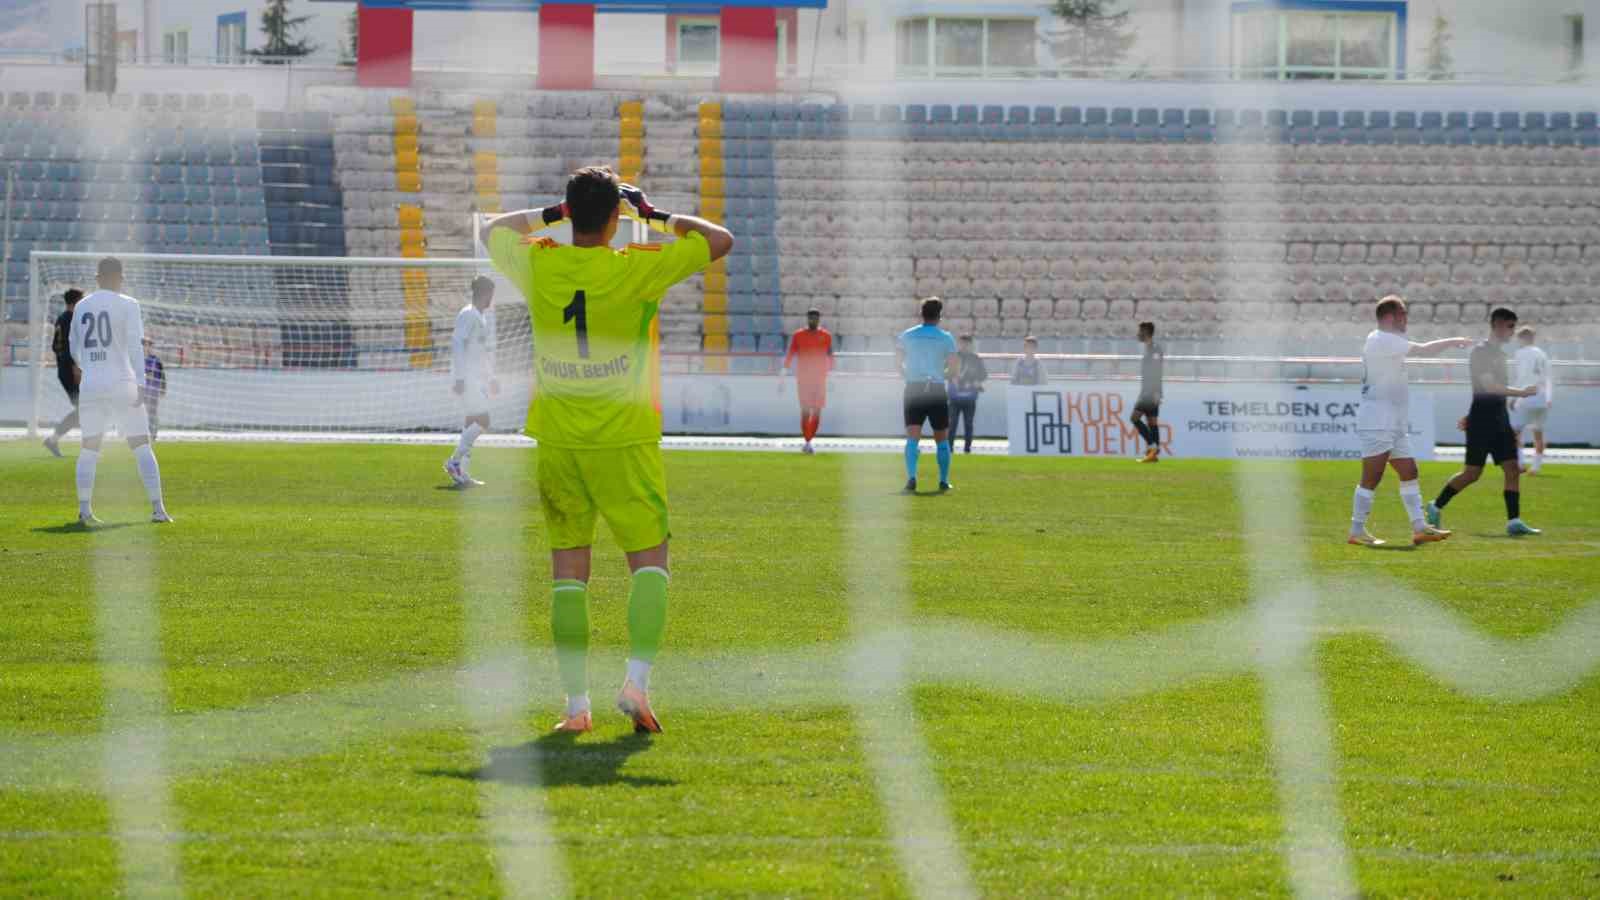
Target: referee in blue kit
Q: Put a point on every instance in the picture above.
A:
(927, 357)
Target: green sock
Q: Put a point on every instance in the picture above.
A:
(569, 624)
(647, 613)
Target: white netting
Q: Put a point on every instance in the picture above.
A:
(305, 343)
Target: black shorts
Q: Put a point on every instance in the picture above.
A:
(69, 386)
(1499, 442)
(927, 403)
(1148, 405)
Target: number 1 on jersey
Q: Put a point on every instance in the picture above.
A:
(578, 311)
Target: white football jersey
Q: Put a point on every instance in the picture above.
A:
(1533, 370)
(472, 345)
(107, 343)
(1385, 391)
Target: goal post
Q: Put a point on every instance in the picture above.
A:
(294, 343)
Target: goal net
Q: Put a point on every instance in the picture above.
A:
(296, 343)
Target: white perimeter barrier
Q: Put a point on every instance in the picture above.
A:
(858, 406)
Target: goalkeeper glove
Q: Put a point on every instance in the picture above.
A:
(636, 206)
(554, 214)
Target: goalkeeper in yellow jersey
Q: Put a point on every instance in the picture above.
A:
(595, 410)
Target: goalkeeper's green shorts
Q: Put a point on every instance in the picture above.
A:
(626, 486)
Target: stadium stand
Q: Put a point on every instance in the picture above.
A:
(170, 173)
(1065, 222)
(305, 209)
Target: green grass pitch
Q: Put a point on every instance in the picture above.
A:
(313, 621)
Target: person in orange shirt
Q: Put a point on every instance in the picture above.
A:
(810, 359)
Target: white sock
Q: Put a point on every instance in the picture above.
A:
(1538, 460)
(639, 674)
(1411, 496)
(149, 473)
(88, 460)
(578, 704)
(1362, 509)
(464, 445)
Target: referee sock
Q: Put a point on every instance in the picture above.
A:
(1361, 509)
(569, 625)
(1445, 494)
(468, 436)
(1513, 505)
(1144, 431)
(943, 453)
(149, 473)
(88, 460)
(1411, 496)
(913, 450)
(647, 622)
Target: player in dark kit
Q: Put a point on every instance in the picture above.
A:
(60, 343)
(1488, 425)
(1147, 409)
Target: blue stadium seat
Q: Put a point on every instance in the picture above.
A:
(1072, 115)
(1198, 116)
(1535, 129)
(966, 112)
(916, 114)
(941, 113)
(1020, 115)
(49, 190)
(1353, 118)
(251, 196)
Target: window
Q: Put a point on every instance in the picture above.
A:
(230, 37)
(1288, 43)
(965, 46)
(699, 45)
(175, 47)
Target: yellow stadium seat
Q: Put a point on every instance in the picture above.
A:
(710, 128)
(711, 167)
(414, 280)
(715, 343)
(715, 324)
(484, 126)
(402, 106)
(484, 108)
(712, 186)
(632, 128)
(712, 206)
(488, 203)
(631, 163)
(412, 251)
(405, 143)
(715, 303)
(710, 148)
(406, 124)
(408, 182)
(485, 161)
(412, 236)
(717, 281)
(486, 183)
(407, 162)
(711, 110)
(630, 109)
(632, 147)
(410, 216)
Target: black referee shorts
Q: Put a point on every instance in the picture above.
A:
(1498, 442)
(927, 402)
(1148, 405)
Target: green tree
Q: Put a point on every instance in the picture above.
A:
(352, 36)
(1092, 34)
(1437, 60)
(280, 29)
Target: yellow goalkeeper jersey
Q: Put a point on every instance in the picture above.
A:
(595, 337)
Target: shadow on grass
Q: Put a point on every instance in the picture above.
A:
(558, 760)
(80, 528)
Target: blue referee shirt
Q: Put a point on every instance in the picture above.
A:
(926, 348)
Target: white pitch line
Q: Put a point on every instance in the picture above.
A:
(495, 693)
(1569, 456)
(133, 742)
